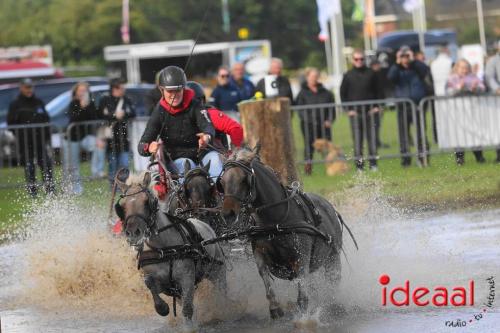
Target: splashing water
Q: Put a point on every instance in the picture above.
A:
(64, 259)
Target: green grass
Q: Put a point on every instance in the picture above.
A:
(442, 185)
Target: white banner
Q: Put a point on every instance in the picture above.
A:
(326, 9)
(468, 122)
(411, 5)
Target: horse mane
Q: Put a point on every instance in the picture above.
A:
(244, 155)
(137, 179)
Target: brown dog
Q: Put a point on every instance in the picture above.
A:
(333, 155)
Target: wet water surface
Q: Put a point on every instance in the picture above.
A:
(66, 273)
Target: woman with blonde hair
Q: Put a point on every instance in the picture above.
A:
(80, 136)
(462, 82)
(316, 124)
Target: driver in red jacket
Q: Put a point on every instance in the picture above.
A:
(223, 124)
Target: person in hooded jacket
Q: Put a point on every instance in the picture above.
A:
(33, 143)
(183, 125)
(317, 124)
(361, 84)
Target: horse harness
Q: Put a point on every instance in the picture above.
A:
(191, 248)
(292, 192)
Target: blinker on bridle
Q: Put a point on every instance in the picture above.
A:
(246, 202)
(152, 206)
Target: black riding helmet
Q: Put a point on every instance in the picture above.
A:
(198, 90)
(172, 77)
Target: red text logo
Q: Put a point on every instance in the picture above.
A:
(406, 294)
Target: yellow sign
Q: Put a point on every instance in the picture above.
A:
(243, 33)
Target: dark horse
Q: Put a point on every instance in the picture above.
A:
(169, 248)
(199, 193)
(311, 237)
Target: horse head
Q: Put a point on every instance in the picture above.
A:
(237, 181)
(198, 187)
(137, 206)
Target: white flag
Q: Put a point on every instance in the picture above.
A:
(411, 5)
(326, 9)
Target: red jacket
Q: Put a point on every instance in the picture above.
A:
(225, 124)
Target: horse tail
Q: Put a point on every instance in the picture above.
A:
(342, 223)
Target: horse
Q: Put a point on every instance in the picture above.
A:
(200, 194)
(169, 248)
(294, 233)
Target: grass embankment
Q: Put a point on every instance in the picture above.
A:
(442, 185)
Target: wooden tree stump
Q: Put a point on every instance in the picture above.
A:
(268, 122)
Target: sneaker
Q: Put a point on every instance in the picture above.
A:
(373, 168)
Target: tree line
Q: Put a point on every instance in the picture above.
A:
(79, 29)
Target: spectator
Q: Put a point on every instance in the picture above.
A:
(492, 72)
(463, 82)
(441, 69)
(382, 83)
(152, 97)
(492, 78)
(408, 76)
(34, 142)
(117, 109)
(360, 84)
(81, 109)
(282, 83)
(238, 80)
(226, 96)
(317, 124)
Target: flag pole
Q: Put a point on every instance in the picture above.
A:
(480, 19)
(328, 51)
(338, 43)
(420, 23)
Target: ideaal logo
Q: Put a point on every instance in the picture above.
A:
(438, 296)
(423, 296)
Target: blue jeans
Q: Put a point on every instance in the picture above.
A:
(215, 164)
(71, 161)
(98, 160)
(116, 162)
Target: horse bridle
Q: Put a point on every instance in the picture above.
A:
(152, 207)
(247, 202)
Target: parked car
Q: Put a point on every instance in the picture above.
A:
(58, 107)
(45, 90)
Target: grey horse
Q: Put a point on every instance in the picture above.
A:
(169, 253)
(253, 192)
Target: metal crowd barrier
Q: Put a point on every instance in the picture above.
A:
(26, 148)
(464, 122)
(365, 129)
(458, 123)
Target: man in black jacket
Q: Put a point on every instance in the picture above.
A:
(409, 78)
(282, 83)
(182, 123)
(316, 124)
(360, 84)
(118, 110)
(33, 143)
